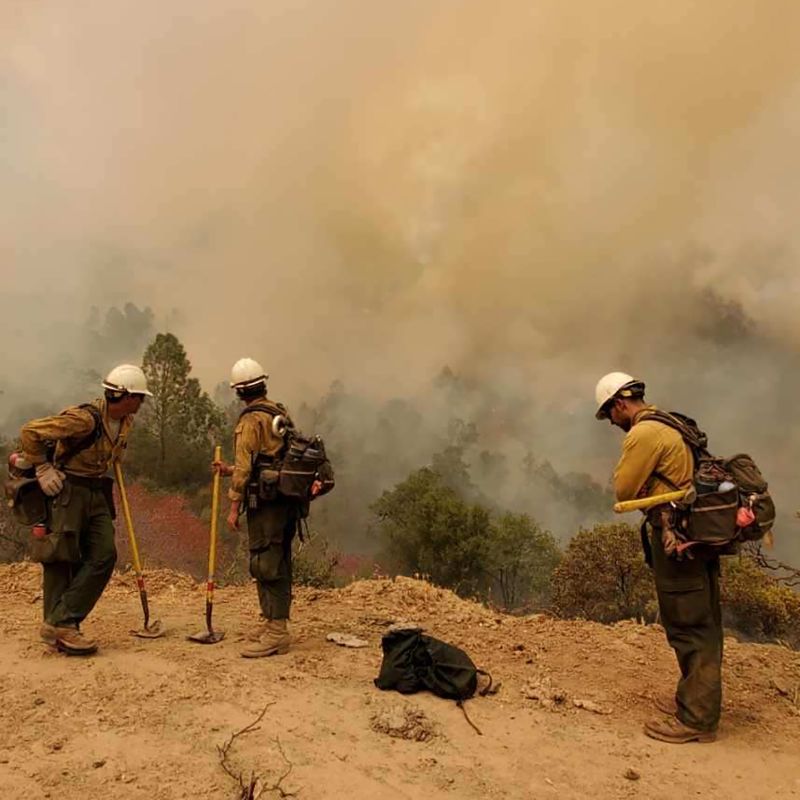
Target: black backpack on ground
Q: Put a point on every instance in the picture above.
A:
(413, 661)
(722, 486)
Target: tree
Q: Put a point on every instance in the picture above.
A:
(121, 334)
(603, 576)
(178, 425)
(431, 531)
(521, 560)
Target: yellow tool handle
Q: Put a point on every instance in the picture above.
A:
(126, 511)
(648, 502)
(212, 548)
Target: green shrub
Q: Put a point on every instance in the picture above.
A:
(603, 577)
(314, 563)
(758, 605)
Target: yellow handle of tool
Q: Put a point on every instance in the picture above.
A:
(126, 511)
(648, 502)
(212, 547)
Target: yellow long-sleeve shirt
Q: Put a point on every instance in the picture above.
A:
(253, 436)
(68, 428)
(651, 446)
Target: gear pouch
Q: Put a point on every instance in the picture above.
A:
(61, 543)
(268, 484)
(26, 500)
(55, 547)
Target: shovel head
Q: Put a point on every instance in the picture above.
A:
(152, 631)
(207, 637)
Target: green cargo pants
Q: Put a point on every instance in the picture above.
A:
(271, 530)
(689, 600)
(72, 588)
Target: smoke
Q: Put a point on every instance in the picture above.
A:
(532, 194)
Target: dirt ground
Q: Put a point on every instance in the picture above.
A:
(145, 719)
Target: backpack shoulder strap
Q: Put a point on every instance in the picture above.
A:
(267, 406)
(691, 434)
(693, 437)
(89, 439)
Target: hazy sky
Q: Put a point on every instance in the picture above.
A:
(533, 193)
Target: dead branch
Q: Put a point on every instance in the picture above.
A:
(276, 786)
(255, 786)
(784, 573)
(246, 792)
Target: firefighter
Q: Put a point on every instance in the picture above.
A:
(271, 518)
(656, 460)
(72, 453)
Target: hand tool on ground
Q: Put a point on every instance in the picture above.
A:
(150, 630)
(643, 503)
(211, 636)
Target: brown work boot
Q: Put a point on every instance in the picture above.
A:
(257, 631)
(666, 704)
(72, 641)
(273, 642)
(48, 634)
(674, 731)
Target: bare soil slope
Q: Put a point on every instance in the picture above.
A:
(144, 719)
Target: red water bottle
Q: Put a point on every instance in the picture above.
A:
(39, 531)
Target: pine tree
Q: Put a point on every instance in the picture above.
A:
(179, 424)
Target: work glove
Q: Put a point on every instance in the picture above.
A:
(670, 541)
(50, 479)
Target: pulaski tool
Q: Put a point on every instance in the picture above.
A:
(150, 630)
(644, 503)
(210, 636)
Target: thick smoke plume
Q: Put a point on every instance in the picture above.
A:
(531, 193)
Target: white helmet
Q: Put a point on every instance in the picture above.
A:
(616, 384)
(247, 372)
(127, 379)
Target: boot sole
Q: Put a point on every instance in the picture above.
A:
(73, 651)
(275, 651)
(703, 737)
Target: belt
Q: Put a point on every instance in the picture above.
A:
(88, 482)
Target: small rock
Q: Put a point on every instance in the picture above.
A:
(632, 774)
(345, 640)
(590, 705)
(39, 701)
(403, 722)
(98, 764)
(779, 687)
(518, 648)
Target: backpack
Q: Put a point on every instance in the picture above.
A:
(23, 494)
(722, 486)
(413, 661)
(301, 461)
